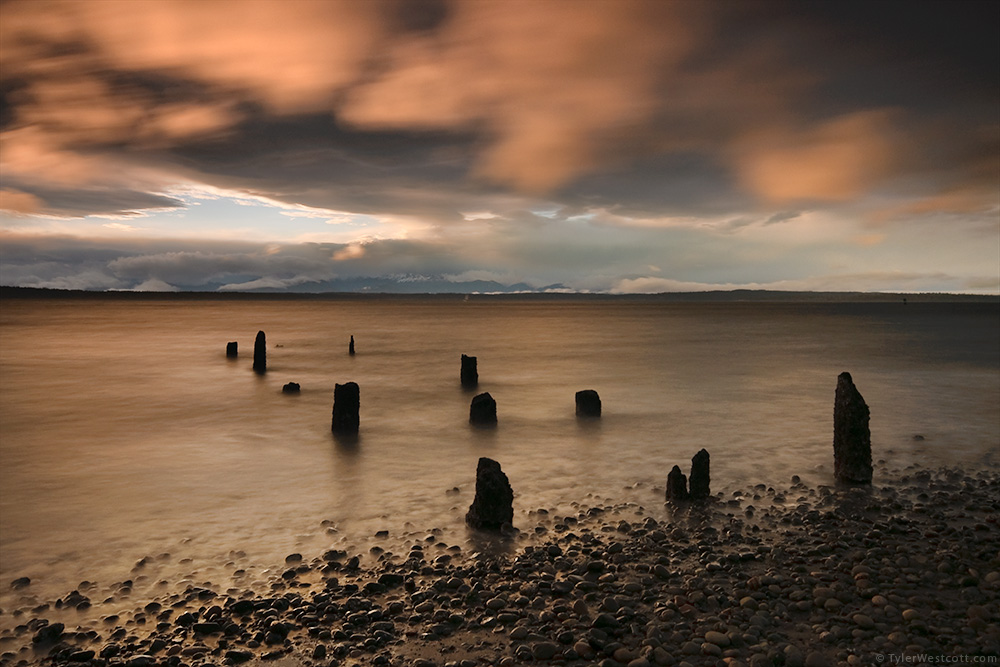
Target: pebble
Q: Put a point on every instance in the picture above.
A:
(709, 648)
(863, 621)
(605, 585)
(544, 650)
(818, 659)
(717, 638)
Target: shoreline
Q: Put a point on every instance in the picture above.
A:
(801, 576)
(710, 296)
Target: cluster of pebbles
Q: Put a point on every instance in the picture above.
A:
(906, 571)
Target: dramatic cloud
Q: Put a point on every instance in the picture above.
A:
(558, 86)
(836, 160)
(520, 142)
(16, 201)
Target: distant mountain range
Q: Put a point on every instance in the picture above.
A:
(377, 288)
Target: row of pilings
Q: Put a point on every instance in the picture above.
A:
(259, 352)
(347, 397)
(492, 507)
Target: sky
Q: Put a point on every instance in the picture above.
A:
(612, 146)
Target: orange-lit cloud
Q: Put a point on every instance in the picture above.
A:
(554, 83)
(963, 201)
(293, 54)
(29, 152)
(15, 201)
(352, 251)
(552, 90)
(869, 239)
(553, 86)
(834, 160)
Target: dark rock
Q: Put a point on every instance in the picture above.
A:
(81, 656)
(48, 634)
(186, 619)
(483, 409)
(20, 582)
(544, 650)
(291, 388)
(350, 348)
(391, 579)
(232, 349)
(260, 353)
(605, 621)
(699, 476)
(346, 408)
(493, 505)
(243, 607)
(588, 403)
(73, 599)
(677, 485)
(207, 628)
(852, 442)
(470, 373)
(237, 657)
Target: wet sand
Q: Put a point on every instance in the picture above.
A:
(904, 572)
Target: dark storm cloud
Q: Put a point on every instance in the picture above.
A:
(71, 263)
(313, 160)
(782, 216)
(363, 104)
(95, 201)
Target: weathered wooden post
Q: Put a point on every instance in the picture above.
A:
(346, 409)
(470, 373)
(260, 353)
(483, 410)
(493, 506)
(852, 440)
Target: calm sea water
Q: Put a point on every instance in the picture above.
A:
(126, 433)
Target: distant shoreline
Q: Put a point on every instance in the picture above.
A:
(719, 296)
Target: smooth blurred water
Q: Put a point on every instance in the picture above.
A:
(125, 432)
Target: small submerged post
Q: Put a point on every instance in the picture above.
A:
(346, 409)
(699, 476)
(483, 410)
(470, 373)
(291, 388)
(350, 348)
(852, 440)
(493, 506)
(260, 353)
(232, 350)
(677, 485)
(588, 403)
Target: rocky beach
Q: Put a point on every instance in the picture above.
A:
(904, 571)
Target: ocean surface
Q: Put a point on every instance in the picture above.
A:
(126, 434)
